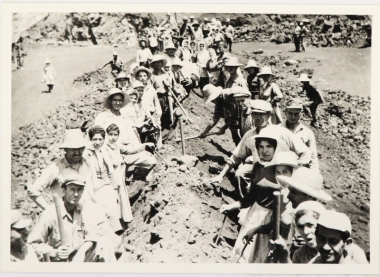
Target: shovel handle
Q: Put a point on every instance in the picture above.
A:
(221, 228)
(242, 251)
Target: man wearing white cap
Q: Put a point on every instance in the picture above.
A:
(73, 146)
(334, 242)
(86, 239)
(20, 251)
(242, 155)
(315, 96)
(293, 124)
(116, 64)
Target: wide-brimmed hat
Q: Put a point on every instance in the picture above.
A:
(303, 78)
(185, 18)
(170, 46)
(138, 84)
(211, 92)
(141, 68)
(73, 139)
(191, 16)
(233, 61)
(336, 221)
(195, 23)
(238, 91)
(123, 75)
(264, 133)
(294, 103)
(132, 67)
(287, 158)
(47, 61)
(177, 61)
(250, 64)
(206, 19)
(307, 181)
(260, 106)
(157, 58)
(17, 221)
(266, 70)
(111, 92)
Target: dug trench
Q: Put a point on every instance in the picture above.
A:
(176, 217)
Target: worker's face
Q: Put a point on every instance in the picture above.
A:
(72, 193)
(176, 68)
(330, 244)
(74, 155)
(245, 105)
(283, 170)
(167, 68)
(142, 77)
(171, 52)
(306, 226)
(297, 197)
(114, 57)
(143, 44)
(133, 98)
(112, 136)
(158, 65)
(124, 82)
(266, 77)
(116, 102)
(231, 69)
(260, 119)
(185, 21)
(97, 141)
(240, 101)
(251, 70)
(201, 47)
(293, 115)
(265, 151)
(140, 90)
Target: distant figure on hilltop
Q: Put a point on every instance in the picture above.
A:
(48, 75)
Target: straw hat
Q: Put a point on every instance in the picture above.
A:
(307, 181)
(73, 139)
(111, 92)
(260, 106)
(141, 68)
(47, 61)
(17, 221)
(177, 61)
(233, 61)
(137, 84)
(211, 92)
(303, 78)
(311, 205)
(287, 158)
(157, 58)
(250, 64)
(170, 46)
(294, 103)
(266, 70)
(123, 75)
(336, 221)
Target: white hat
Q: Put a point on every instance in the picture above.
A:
(206, 19)
(310, 205)
(73, 139)
(137, 84)
(142, 68)
(157, 58)
(111, 92)
(17, 221)
(250, 64)
(238, 91)
(114, 53)
(47, 61)
(287, 158)
(170, 46)
(336, 221)
(294, 103)
(123, 75)
(191, 16)
(266, 70)
(303, 78)
(177, 61)
(227, 20)
(211, 92)
(260, 106)
(307, 181)
(233, 61)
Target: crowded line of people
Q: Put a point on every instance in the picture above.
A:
(141, 111)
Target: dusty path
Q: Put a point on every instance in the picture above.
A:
(28, 100)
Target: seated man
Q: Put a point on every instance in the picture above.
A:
(88, 237)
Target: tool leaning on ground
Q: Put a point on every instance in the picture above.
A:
(198, 136)
(171, 93)
(62, 231)
(216, 242)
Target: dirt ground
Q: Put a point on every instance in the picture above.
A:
(177, 211)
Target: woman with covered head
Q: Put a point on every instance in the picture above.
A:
(259, 200)
(202, 57)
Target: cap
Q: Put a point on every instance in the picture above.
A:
(114, 53)
(74, 179)
(335, 220)
(260, 106)
(294, 104)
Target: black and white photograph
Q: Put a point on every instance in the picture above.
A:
(190, 137)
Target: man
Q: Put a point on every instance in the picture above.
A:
(144, 55)
(229, 35)
(296, 36)
(191, 19)
(293, 124)
(232, 66)
(205, 27)
(20, 251)
(87, 239)
(134, 152)
(242, 155)
(170, 55)
(116, 64)
(334, 242)
(73, 146)
(315, 96)
(184, 31)
(123, 81)
(197, 34)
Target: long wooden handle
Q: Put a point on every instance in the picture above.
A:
(62, 231)
(197, 136)
(242, 251)
(276, 215)
(220, 230)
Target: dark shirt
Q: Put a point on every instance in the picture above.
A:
(253, 84)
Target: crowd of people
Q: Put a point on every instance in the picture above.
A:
(273, 154)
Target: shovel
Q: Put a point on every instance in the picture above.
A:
(242, 251)
(220, 231)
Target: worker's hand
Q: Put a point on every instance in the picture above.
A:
(216, 180)
(250, 234)
(64, 252)
(279, 250)
(225, 208)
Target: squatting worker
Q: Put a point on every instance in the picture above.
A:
(293, 115)
(83, 244)
(134, 152)
(116, 64)
(315, 96)
(242, 157)
(73, 146)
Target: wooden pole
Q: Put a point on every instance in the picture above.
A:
(62, 232)
(182, 136)
(276, 214)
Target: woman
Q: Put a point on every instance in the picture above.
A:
(144, 55)
(202, 57)
(48, 75)
(105, 189)
(193, 51)
(134, 110)
(269, 91)
(259, 200)
(186, 53)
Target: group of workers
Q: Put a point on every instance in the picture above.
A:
(119, 146)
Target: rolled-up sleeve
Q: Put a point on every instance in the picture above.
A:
(48, 176)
